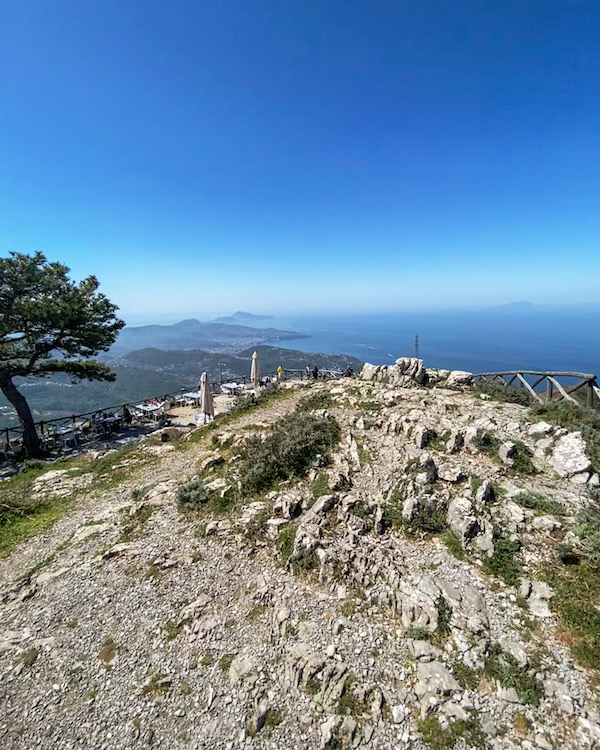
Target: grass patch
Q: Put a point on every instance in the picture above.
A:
(29, 658)
(537, 502)
(504, 562)
(288, 450)
(22, 518)
(436, 738)
(320, 486)
(505, 669)
(255, 613)
(314, 401)
(437, 442)
(503, 393)
(303, 562)
(521, 459)
(285, 542)
(134, 524)
(453, 544)
(485, 442)
(225, 662)
(576, 587)
(468, 678)
(244, 405)
(349, 704)
(348, 608)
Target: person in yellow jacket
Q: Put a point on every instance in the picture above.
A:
(280, 373)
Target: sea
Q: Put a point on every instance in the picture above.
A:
(535, 338)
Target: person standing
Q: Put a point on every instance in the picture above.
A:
(280, 373)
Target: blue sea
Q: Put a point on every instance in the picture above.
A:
(491, 340)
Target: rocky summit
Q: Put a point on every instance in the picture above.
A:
(397, 560)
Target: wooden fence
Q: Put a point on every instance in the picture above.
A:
(547, 384)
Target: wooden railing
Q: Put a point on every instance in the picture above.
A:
(553, 388)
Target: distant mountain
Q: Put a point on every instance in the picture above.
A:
(243, 317)
(193, 334)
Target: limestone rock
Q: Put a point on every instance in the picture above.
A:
(459, 378)
(568, 457)
(461, 518)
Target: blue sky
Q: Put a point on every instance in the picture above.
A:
(285, 156)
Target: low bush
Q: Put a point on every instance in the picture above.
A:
(521, 459)
(505, 669)
(454, 544)
(505, 393)
(485, 442)
(291, 446)
(504, 562)
(468, 732)
(533, 501)
(317, 400)
(192, 495)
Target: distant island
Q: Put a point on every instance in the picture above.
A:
(243, 317)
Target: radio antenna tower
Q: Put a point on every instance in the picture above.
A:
(417, 347)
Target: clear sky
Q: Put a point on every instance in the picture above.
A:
(210, 155)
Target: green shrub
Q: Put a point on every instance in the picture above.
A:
(467, 677)
(576, 595)
(192, 495)
(505, 669)
(454, 544)
(587, 528)
(317, 400)
(504, 393)
(30, 465)
(521, 459)
(285, 542)
(436, 738)
(485, 442)
(303, 562)
(431, 521)
(534, 501)
(444, 611)
(504, 562)
(289, 449)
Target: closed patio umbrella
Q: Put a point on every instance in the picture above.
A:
(206, 399)
(255, 371)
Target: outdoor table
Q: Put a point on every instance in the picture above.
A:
(66, 435)
(192, 396)
(231, 388)
(153, 411)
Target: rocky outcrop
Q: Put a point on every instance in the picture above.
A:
(406, 373)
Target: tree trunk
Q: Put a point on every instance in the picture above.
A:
(31, 441)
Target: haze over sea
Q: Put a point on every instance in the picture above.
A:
(504, 338)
